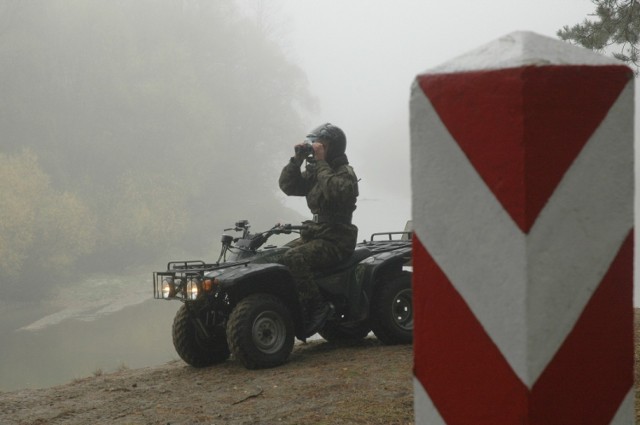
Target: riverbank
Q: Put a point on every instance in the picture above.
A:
(362, 382)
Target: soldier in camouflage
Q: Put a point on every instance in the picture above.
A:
(331, 188)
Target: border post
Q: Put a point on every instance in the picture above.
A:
(522, 167)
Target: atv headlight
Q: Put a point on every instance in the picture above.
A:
(168, 288)
(192, 289)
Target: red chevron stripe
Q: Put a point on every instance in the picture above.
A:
(469, 381)
(535, 119)
(457, 363)
(592, 371)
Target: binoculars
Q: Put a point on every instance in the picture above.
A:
(305, 148)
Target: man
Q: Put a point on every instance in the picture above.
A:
(331, 188)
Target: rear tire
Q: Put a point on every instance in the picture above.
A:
(392, 309)
(260, 331)
(192, 346)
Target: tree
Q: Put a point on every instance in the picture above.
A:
(43, 231)
(153, 125)
(616, 30)
(22, 185)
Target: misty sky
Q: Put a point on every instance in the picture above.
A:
(361, 56)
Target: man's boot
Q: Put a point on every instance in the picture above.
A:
(318, 310)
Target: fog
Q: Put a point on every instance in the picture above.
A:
(134, 132)
(360, 58)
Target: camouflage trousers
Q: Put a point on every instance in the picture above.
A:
(305, 257)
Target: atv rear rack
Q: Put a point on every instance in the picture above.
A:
(376, 246)
(404, 236)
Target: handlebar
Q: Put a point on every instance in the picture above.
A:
(287, 228)
(253, 241)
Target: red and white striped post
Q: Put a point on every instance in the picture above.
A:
(522, 174)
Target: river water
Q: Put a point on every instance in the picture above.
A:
(99, 325)
(104, 323)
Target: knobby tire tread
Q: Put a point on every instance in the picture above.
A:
(187, 347)
(381, 320)
(239, 330)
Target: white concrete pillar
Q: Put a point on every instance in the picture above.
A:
(522, 175)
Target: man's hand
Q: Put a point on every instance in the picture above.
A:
(298, 155)
(319, 151)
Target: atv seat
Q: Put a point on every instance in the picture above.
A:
(358, 255)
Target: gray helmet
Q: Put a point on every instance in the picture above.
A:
(333, 135)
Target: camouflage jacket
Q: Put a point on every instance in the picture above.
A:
(331, 190)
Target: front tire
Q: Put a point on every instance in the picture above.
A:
(392, 310)
(192, 346)
(260, 331)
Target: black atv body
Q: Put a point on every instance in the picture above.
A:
(246, 302)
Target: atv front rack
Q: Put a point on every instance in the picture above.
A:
(184, 280)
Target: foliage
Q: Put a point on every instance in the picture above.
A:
(22, 183)
(616, 29)
(148, 125)
(148, 214)
(38, 223)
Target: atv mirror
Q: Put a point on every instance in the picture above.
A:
(242, 223)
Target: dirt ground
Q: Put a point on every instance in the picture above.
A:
(361, 382)
(357, 383)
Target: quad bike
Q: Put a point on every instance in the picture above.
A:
(246, 302)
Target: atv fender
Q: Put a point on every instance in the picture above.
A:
(358, 284)
(390, 262)
(269, 278)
